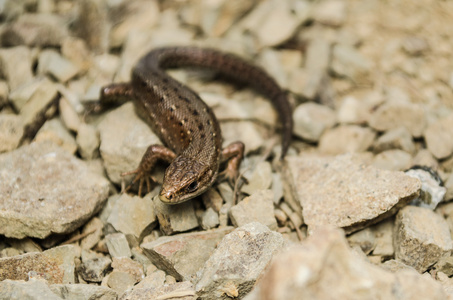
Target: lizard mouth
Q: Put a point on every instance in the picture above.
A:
(166, 197)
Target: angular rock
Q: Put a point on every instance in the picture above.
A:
(398, 138)
(417, 244)
(94, 269)
(56, 265)
(345, 193)
(175, 218)
(55, 132)
(209, 219)
(52, 63)
(183, 255)
(134, 216)
(123, 145)
(324, 265)
(120, 281)
(393, 160)
(179, 290)
(395, 114)
(46, 190)
(383, 232)
(259, 207)
(83, 291)
(346, 138)
(4, 91)
(127, 265)
(330, 12)
(95, 229)
(16, 66)
(364, 238)
(30, 290)
(239, 259)
(432, 191)
(439, 138)
(311, 120)
(11, 132)
(260, 179)
(87, 141)
(118, 245)
(348, 62)
(154, 280)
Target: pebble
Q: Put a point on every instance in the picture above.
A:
(83, 291)
(16, 65)
(183, 255)
(179, 290)
(260, 179)
(55, 265)
(345, 193)
(120, 281)
(432, 191)
(352, 111)
(393, 160)
(4, 91)
(117, 245)
(311, 120)
(55, 132)
(87, 141)
(175, 218)
(94, 269)
(417, 245)
(398, 138)
(33, 195)
(127, 265)
(209, 219)
(133, 216)
(236, 263)
(11, 132)
(32, 289)
(259, 207)
(439, 138)
(152, 281)
(346, 139)
(348, 62)
(331, 12)
(383, 232)
(324, 265)
(51, 63)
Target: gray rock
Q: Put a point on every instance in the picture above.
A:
(179, 290)
(56, 265)
(417, 244)
(127, 265)
(352, 111)
(4, 91)
(414, 45)
(11, 131)
(345, 193)
(154, 280)
(118, 245)
(346, 138)
(123, 145)
(259, 207)
(94, 269)
(35, 202)
(348, 62)
(383, 232)
(16, 66)
(50, 62)
(432, 193)
(183, 255)
(393, 160)
(87, 141)
(30, 290)
(120, 281)
(445, 265)
(83, 291)
(55, 132)
(394, 114)
(209, 219)
(239, 259)
(212, 199)
(36, 30)
(439, 138)
(311, 120)
(398, 138)
(364, 238)
(175, 218)
(260, 179)
(330, 12)
(68, 115)
(134, 216)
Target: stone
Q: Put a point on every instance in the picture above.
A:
(449, 186)
(393, 160)
(54, 131)
(348, 62)
(87, 141)
(445, 265)
(212, 199)
(127, 265)
(120, 281)
(175, 218)
(183, 255)
(179, 290)
(94, 269)
(76, 51)
(83, 291)
(259, 207)
(122, 147)
(414, 45)
(16, 66)
(418, 245)
(4, 91)
(331, 12)
(383, 232)
(364, 238)
(209, 219)
(323, 265)
(346, 138)
(352, 111)
(36, 30)
(134, 216)
(11, 132)
(395, 114)
(51, 63)
(55, 265)
(30, 290)
(41, 181)
(439, 138)
(311, 120)
(432, 191)
(118, 245)
(260, 179)
(398, 138)
(343, 192)
(239, 259)
(68, 115)
(154, 280)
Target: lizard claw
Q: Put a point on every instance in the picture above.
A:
(141, 177)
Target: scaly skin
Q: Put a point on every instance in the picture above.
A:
(185, 124)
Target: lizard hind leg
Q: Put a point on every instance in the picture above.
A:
(153, 154)
(233, 153)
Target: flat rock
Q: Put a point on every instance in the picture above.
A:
(324, 266)
(259, 207)
(30, 290)
(175, 218)
(343, 192)
(56, 265)
(439, 138)
(311, 120)
(183, 255)
(179, 290)
(418, 244)
(239, 259)
(117, 245)
(46, 190)
(83, 291)
(346, 138)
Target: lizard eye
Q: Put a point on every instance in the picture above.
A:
(193, 186)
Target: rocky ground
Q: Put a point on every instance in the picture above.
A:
(371, 83)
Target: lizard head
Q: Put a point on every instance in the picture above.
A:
(185, 179)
